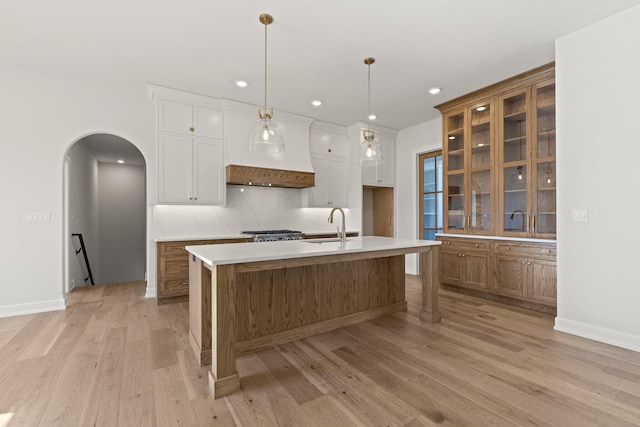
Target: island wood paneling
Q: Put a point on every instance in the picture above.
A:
(272, 301)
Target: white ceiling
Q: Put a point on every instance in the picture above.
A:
(316, 48)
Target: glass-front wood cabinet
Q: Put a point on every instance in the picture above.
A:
(469, 169)
(499, 149)
(527, 140)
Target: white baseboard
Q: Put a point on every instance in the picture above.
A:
(598, 333)
(151, 292)
(32, 307)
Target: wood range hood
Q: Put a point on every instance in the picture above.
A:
(267, 177)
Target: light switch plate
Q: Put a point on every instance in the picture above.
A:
(38, 216)
(580, 215)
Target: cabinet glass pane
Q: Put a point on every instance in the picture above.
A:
(456, 202)
(439, 217)
(455, 142)
(515, 199)
(481, 200)
(546, 198)
(546, 116)
(430, 211)
(481, 136)
(439, 175)
(515, 128)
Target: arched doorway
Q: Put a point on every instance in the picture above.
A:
(105, 202)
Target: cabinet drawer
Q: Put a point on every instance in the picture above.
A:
(464, 245)
(525, 249)
(177, 248)
(173, 287)
(172, 248)
(174, 266)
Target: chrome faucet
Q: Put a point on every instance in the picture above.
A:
(342, 234)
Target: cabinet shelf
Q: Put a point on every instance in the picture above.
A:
(546, 188)
(456, 132)
(456, 152)
(547, 108)
(514, 116)
(523, 190)
(516, 139)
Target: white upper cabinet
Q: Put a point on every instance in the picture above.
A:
(383, 174)
(190, 140)
(190, 170)
(331, 182)
(322, 142)
(328, 145)
(185, 119)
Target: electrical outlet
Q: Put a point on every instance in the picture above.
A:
(38, 216)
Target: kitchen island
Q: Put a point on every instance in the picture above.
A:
(245, 297)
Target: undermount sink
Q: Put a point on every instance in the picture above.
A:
(328, 240)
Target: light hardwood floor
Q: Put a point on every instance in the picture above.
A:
(114, 358)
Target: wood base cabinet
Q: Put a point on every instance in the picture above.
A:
(465, 263)
(173, 268)
(517, 270)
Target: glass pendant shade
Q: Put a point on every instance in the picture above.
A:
(370, 152)
(265, 136)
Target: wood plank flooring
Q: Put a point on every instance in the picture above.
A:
(114, 358)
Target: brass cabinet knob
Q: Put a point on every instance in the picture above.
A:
(192, 129)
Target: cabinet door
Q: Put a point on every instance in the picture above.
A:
(510, 275)
(451, 268)
(338, 182)
(544, 160)
(318, 195)
(514, 172)
(175, 117)
(454, 172)
(328, 143)
(542, 281)
(174, 171)
(208, 123)
(381, 175)
(476, 269)
(208, 174)
(480, 149)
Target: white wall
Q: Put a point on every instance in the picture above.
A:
(122, 220)
(41, 116)
(83, 212)
(410, 143)
(598, 88)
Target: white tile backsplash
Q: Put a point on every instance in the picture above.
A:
(248, 208)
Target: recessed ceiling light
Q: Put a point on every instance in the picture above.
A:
(482, 108)
(372, 116)
(241, 83)
(120, 161)
(316, 103)
(434, 90)
(452, 137)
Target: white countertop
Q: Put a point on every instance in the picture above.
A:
(482, 236)
(264, 251)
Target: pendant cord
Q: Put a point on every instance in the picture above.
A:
(369, 93)
(265, 67)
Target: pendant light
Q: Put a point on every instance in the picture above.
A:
(265, 135)
(370, 152)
